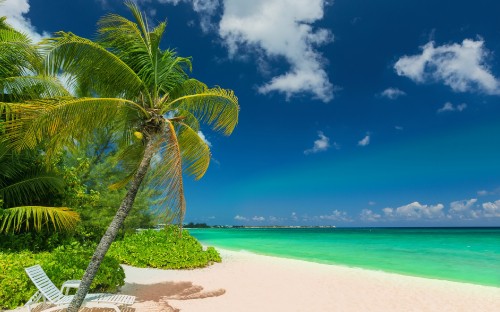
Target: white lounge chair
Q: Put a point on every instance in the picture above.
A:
(49, 292)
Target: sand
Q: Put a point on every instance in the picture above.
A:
(249, 282)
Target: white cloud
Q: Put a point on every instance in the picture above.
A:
(258, 218)
(398, 128)
(273, 30)
(372, 203)
(415, 211)
(294, 216)
(15, 11)
(281, 29)
(460, 66)
(274, 219)
(240, 218)
(449, 107)
(392, 93)
(486, 192)
(364, 141)
(204, 138)
(336, 215)
(491, 209)
(462, 209)
(369, 215)
(320, 145)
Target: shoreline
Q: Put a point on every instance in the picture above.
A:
(342, 265)
(246, 281)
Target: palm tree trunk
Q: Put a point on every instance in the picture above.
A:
(113, 229)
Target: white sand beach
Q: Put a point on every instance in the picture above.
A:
(249, 282)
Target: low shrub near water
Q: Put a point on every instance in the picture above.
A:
(61, 264)
(164, 249)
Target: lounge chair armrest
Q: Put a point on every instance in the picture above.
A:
(66, 286)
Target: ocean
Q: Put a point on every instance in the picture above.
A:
(470, 255)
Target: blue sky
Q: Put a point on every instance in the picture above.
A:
(353, 113)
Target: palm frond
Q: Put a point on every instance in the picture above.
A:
(128, 159)
(138, 48)
(106, 73)
(195, 152)
(10, 166)
(167, 173)
(171, 72)
(142, 23)
(187, 117)
(18, 58)
(24, 88)
(30, 188)
(67, 120)
(216, 106)
(36, 218)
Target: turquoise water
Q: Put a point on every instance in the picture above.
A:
(458, 254)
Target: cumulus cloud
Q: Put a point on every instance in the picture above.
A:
(274, 219)
(491, 209)
(462, 209)
(392, 93)
(320, 145)
(449, 107)
(294, 216)
(281, 29)
(240, 218)
(364, 141)
(258, 218)
(15, 11)
(398, 128)
(336, 215)
(461, 66)
(486, 192)
(369, 215)
(415, 211)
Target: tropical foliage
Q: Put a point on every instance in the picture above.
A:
(163, 249)
(61, 264)
(23, 75)
(25, 184)
(89, 194)
(126, 83)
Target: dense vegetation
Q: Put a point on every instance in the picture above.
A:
(164, 249)
(61, 264)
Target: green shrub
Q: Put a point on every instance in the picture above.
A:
(33, 241)
(164, 249)
(61, 264)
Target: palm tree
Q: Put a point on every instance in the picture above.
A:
(146, 95)
(24, 186)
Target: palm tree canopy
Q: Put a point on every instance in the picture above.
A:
(128, 82)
